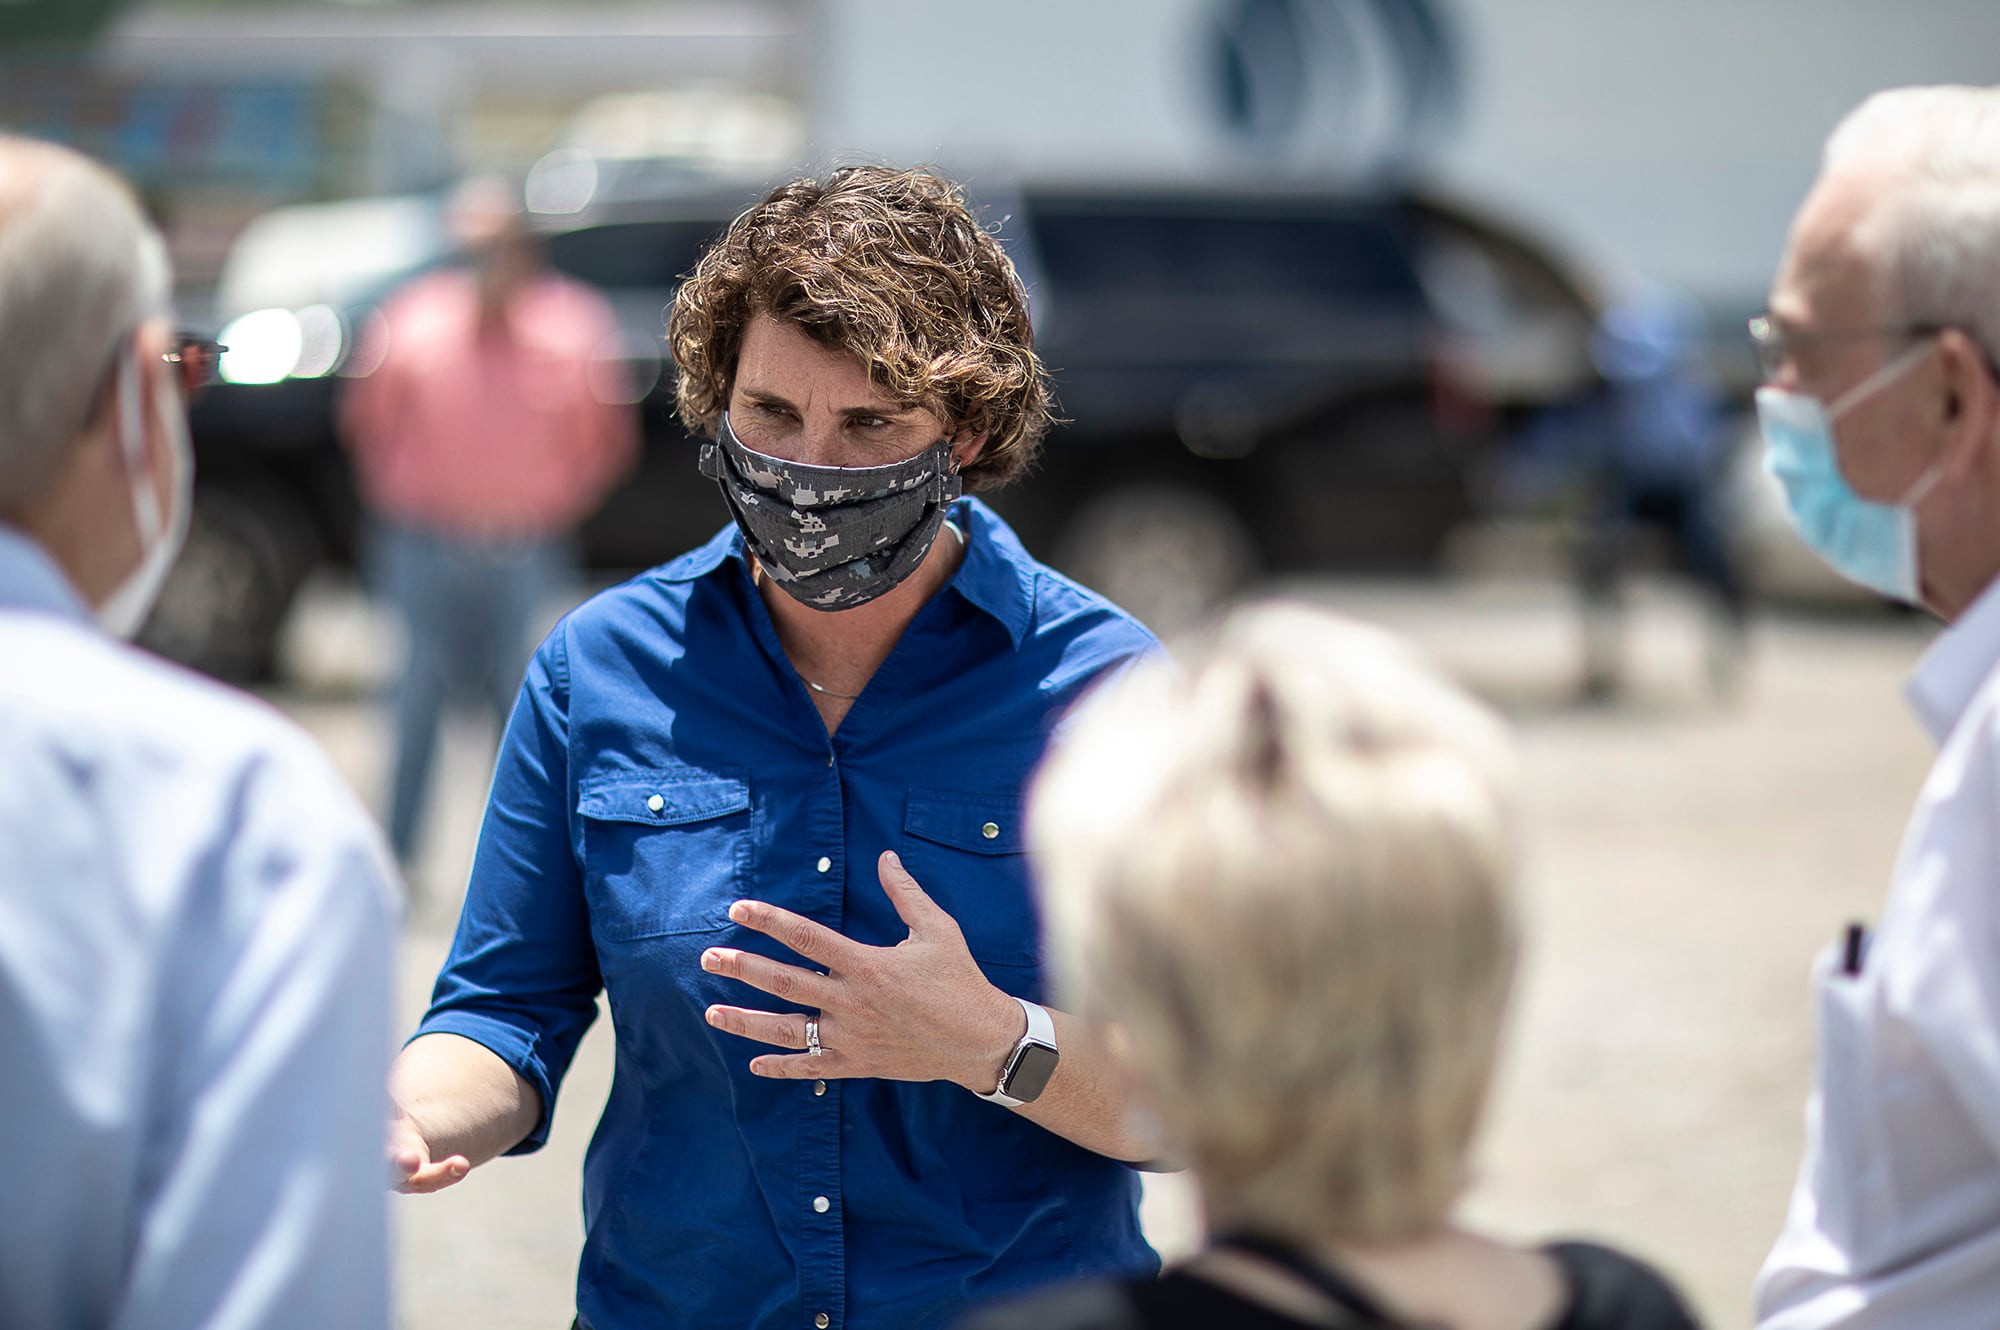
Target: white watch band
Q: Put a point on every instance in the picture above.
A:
(1041, 1030)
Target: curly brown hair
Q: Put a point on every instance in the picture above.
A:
(891, 267)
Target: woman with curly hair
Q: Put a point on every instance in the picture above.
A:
(768, 799)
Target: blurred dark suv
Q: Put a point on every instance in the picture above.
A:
(1251, 383)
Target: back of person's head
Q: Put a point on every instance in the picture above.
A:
(1935, 234)
(1280, 865)
(80, 270)
(891, 267)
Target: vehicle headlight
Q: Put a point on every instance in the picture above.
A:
(264, 346)
(322, 338)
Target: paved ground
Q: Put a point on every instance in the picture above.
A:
(1687, 858)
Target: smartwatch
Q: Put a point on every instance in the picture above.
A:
(1031, 1063)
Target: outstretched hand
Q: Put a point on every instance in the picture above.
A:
(918, 1011)
(411, 1168)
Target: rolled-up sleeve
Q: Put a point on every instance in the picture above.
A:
(522, 977)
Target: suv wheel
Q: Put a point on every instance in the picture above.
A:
(248, 548)
(1167, 553)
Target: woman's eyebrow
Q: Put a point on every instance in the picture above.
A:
(766, 397)
(763, 397)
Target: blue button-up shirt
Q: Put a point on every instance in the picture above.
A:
(665, 760)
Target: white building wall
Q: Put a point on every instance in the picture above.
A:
(1671, 137)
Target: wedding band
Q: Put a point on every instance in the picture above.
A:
(812, 1037)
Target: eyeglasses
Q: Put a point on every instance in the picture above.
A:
(1775, 345)
(198, 359)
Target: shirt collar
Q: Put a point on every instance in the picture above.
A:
(1951, 671)
(705, 559)
(997, 575)
(30, 579)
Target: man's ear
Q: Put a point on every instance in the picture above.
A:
(1967, 405)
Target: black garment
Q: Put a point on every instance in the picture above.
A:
(1608, 1290)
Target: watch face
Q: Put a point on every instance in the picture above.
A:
(1029, 1075)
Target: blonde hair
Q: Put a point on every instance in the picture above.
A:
(1281, 866)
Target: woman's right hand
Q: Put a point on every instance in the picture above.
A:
(411, 1168)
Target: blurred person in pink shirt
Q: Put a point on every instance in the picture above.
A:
(482, 438)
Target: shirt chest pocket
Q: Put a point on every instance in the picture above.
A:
(965, 850)
(664, 852)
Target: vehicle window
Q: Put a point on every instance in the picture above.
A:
(1138, 252)
(1486, 280)
(644, 254)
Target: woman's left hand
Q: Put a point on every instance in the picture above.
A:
(918, 1011)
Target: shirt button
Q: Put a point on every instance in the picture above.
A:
(821, 1204)
(822, 1321)
(819, 1087)
(824, 863)
(991, 831)
(656, 803)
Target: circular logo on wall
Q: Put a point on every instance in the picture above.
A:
(1347, 87)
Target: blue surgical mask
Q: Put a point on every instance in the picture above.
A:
(1874, 544)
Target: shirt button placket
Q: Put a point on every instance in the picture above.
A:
(824, 1267)
(825, 865)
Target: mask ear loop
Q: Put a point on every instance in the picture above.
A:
(1925, 484)
(1874, 382)
(132, 442)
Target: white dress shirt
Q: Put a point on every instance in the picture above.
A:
(195, 942)
(1896, 1217)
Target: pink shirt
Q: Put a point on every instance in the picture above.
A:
(491, 434)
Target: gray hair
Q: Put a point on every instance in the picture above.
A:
(80, 268)
(1937, 233)
(1281, 868)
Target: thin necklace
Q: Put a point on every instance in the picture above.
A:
(821, 688)
(757, 577)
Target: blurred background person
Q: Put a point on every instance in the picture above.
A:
(194, 912)
(1278, 871)
(1882, 421)
(481, 438)
(1647, 446)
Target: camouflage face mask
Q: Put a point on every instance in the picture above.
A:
(834, 536)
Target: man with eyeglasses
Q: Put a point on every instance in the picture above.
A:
(195, 915)
(1882, 418)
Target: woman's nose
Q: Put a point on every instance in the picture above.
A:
(818, 443)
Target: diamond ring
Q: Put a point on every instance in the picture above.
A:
(812, 1036)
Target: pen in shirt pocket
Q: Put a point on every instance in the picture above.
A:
(1853, 947)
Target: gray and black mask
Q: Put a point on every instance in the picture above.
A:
(834, 536)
